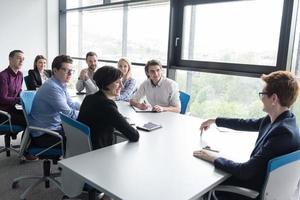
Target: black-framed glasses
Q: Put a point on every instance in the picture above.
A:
(261, 94)
(68, 71)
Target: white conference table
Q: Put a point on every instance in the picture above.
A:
(161, 165)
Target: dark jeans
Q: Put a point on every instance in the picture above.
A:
(231, 196)
(17, 117)
(47, 140)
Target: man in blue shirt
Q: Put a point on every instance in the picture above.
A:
(51, 99)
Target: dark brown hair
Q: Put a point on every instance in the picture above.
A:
(37, 58)
(106, 75)
(150, 63)
(90, 54)
(59, 60)
(14, 52)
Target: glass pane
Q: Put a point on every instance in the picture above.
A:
(148, 29)
(296, 52)
(82, 3)
(99, 31)
(296, 110)
(214, 95)
(245, 32)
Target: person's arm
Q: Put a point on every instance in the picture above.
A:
(158, 108)
(174, 103)
(121, 124)
(4, 98)
(127, 91)
(59, 101)
(90, 86)
(33, 84)
(135, 101)
(239, 124)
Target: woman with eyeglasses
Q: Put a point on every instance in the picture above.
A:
(278, 134)
(39, 74)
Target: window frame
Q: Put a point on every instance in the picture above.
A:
(175, 44)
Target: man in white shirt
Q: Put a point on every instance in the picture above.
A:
(85, 79)
(161, 93)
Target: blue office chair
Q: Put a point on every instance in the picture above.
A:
(9, 131)
(184, 100)
(282, 181)
(45, 154)
(78, 141)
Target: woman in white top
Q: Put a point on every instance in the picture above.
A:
(39, 74)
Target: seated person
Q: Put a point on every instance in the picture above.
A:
(85, 79)
(11, 80)
(129, 84)
(39, 74)
(162, 93)
(278, 134)
(51, 99)
(100, 112)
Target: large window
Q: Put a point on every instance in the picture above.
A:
(137, 31)
(215, 95)
(236, 37)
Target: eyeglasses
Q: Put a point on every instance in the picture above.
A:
(261, 94)
(68, 71)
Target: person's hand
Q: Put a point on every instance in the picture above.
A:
(205, 155)
(143, 106)
(158, 108)
(83, 75)
(206, 124)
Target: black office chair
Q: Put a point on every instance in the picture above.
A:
(26, 80)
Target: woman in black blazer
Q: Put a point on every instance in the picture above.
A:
(278, 134)
(39, 74)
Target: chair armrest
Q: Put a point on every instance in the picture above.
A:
(47, 131)
(6, 114)
(237, 190)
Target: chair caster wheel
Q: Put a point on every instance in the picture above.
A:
(14, 185)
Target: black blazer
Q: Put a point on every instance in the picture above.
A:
(35, 80)
(102, 116)
(274, 139)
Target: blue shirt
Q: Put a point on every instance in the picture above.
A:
(51, 99)
(129, 87)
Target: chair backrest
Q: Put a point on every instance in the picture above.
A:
(184, 100)
(26, 98)
(283, 178)
(26, 101)
(78, 139)
(26, 80)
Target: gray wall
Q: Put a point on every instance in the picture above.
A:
(31, 26)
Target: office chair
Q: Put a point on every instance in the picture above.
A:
(282, 181)
(78, 141)
(9, 131)
(45, 154)
(184, 100)
(26, 80)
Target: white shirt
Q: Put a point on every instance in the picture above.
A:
(165, 93)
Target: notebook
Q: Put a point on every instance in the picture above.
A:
(139, 110)
(149, 126)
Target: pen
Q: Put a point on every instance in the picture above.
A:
(209, 149)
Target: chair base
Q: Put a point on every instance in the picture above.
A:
(7, 144)
(40, 179)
